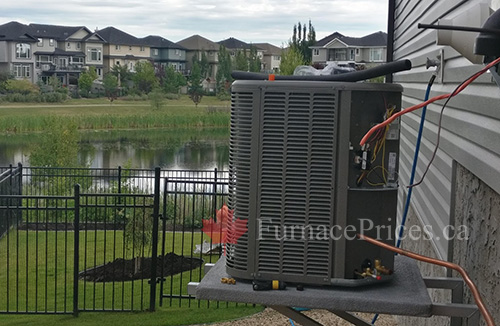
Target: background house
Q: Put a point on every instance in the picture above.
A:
(370, 49)
(38, 52)
(123, 49)
(166, 53)
(462, 187)
(16, 51)
(271, 57)
(196, 46)
(60, 52)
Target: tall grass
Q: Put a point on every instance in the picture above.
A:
(94, 115)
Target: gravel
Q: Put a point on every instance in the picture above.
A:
(271, 317)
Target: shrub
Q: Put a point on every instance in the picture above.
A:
(172, 96)
(21, 86)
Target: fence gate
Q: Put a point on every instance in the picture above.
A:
(185, 241)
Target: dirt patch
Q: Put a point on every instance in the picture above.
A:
(125, 269)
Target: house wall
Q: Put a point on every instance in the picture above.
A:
(4, 51)
(13, 61)
(46, 46)
(469, 139)
(176, 55)
(124, 50)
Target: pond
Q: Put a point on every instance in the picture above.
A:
(188, 149)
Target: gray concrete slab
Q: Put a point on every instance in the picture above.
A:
(405, 295)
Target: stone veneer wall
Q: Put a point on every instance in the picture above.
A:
(477, 207)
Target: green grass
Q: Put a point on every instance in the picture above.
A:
(49, 261)
(99, 114)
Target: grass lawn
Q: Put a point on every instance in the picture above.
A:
(100, 114)
(36, 271)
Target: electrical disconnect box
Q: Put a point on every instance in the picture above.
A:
(305, 187)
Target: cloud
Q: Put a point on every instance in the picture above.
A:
(256, 21)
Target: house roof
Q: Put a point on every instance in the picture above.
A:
(197, 42)
(156, 41)
(60, 33)
(234, 44)
(14, 31)
(374, 39)
(269, 48)
(113, 35)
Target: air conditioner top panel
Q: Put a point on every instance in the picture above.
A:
(296, 84)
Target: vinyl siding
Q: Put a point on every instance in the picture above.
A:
(471, 122)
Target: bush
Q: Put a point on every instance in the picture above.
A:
(224, 96)
(21, 86)
(172, 96)
(53, 97)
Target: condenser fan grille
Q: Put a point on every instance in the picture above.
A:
(297, 156)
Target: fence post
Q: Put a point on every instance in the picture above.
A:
(76, 257)
(20, 192)
(119, 180)
(154, 249)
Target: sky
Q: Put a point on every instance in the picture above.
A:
(251, 21)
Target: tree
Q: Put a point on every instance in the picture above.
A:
(195, 88)
(173, 80)
(156, 99)
(122, 74)
(304, 40)
(240, 60)
(86, 79)
(204, 65)
(223, 77)
(145, 78)
(59, 145)
(110, 84)
(290, 59)
(254, 63)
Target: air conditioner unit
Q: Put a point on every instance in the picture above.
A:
(302, 185)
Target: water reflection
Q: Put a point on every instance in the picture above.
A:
(169, 149)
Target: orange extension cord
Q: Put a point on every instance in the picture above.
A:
(477, 296)
(434, 99)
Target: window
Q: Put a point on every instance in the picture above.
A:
(23, 51)
(22, 71)
(95, 54)
(78, 45)
(77, 60)
(98, 71)
(315, 51)
(340, 54)
(357, 51)
(177, 52)
(155, 51)
(277, 57)
(375, 54)
(51, 42)
(130, 47)
(68, 45)
(131, 67)
(142, 49)
(40, 42)
(117, 47)
(351, 54)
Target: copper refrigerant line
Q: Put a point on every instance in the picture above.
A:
(475, 293)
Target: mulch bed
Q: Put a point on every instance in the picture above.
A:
(124, 269)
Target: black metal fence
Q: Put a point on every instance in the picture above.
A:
(104, 239)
